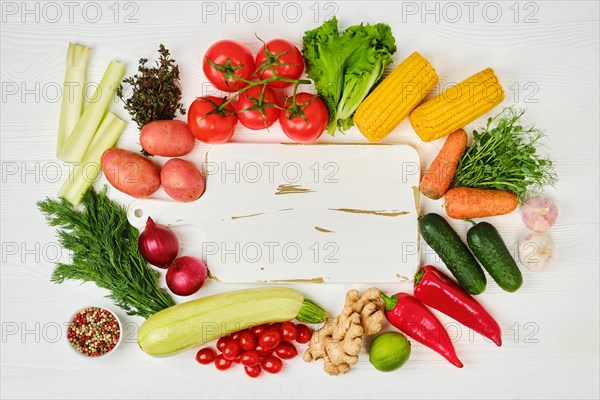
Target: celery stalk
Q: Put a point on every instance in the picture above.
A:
(76, 145)
(86, 172)
(72, 96)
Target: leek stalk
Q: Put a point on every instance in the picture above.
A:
(82, 135)
(72, 96)
(86, 172)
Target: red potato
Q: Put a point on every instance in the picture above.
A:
(167, 138)
(182, 180)
(130, 173)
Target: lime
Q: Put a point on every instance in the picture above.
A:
(389, 351)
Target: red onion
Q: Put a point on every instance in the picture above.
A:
(158, 245)
(186, 275)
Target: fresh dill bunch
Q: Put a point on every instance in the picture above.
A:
(104, 248)
(155, 91)
(504, 156)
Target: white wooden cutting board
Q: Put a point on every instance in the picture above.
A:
(322, 213)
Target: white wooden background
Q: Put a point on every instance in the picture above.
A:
(546, 55)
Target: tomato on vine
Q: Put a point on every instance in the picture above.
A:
(258, 107)
(304, 118)
(208, 122)
(224, 62)
(282, 57)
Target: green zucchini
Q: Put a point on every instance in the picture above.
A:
(454, 253)
(489, 248)
(199, 321)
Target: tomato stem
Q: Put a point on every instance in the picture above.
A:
(269, 63)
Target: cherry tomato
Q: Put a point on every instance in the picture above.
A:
(211, 128)
(271, 364)
(276, 326)
(286, 350)
(236, 335)
(254, 119)
(247, 340)
(281, 52)
(258, 329)
(205, 355)
(222, 342)
(249, 357)
(309, 128)
(229, 55)
(262, 352)
(222, 363)
(252, 371)
(231, 350)
(269, 339)
(289, 331)
(304, 333)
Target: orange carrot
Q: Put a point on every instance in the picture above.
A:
(478, 203)
(437, 179)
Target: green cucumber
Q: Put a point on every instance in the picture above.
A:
(489, 248)
(199, 321)
(444, 240)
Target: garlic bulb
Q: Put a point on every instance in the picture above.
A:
(536, 251)
(539, 213)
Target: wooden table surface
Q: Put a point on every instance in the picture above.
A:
(546, 54)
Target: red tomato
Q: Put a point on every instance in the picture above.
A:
(276, 326)
(304, 334)
(289, 331)
(252, 118)
(269, 339)
(309, 128)
(205, 355)
(231, 350)
(222, 342)
(249, 357)
(262, 352)
(236, 335)
(247, 340)
(258, 329)
(271, 364)
(286, 59)
(286, 350)
(228, 55)
(252, 371)
(222, 363)
(211, 128)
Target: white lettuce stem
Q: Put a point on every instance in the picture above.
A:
(86, 172)
(82, 135)
(73, 91)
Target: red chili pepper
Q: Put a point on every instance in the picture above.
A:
(411, 317)
(436, 290)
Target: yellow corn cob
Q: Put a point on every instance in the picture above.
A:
(457, 106)
(395, 97)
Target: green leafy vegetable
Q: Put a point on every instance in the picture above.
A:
(504, 156)
(156, 94)
(345, 68)
(104, 250)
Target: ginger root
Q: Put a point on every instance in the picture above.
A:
(339, 341)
